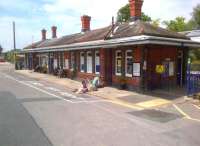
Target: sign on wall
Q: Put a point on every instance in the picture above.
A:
(136, 69)
(171, 68)
(160, 69)
(55, 63)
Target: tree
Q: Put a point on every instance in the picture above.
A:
(123, 14)
(156, 22)
(1, 49)
(177, 25)
(196, 16)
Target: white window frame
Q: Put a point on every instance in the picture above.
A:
(89, 65)
(116, 58)
(97, 61)
(82, 61)
(126, 62)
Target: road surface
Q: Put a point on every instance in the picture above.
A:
(39, 113)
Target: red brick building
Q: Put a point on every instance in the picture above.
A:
(136, 53)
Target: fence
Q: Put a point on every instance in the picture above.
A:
(193, 79)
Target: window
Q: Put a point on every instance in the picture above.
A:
(129, 63)
(97, 62)
(89, 62)
(118, 63)
(82, 62)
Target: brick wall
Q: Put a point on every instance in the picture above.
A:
(132, 82)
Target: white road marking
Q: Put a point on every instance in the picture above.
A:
(186, 116)
(24, 83)
(52, 89)
(196, 106)
(38, 84)
(181, 111)
(92, 101)
(70, 95)
(27, 83)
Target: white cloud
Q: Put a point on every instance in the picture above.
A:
(100, 11)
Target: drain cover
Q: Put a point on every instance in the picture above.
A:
(156, 115)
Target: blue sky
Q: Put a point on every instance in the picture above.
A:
(31, 16)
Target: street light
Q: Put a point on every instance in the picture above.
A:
(14, 45)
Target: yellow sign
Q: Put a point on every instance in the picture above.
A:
(160, 69)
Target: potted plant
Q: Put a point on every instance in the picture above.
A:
(123, 83)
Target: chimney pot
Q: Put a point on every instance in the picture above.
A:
(43, 34)
(54, 31)
(85, 19)
(135, 9)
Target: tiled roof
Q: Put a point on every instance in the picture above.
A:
(136, 28)
(143, 28)
(35, 44)
(98, 34)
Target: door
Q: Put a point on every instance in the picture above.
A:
(154, 59)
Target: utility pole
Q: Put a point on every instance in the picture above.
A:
(14, 45)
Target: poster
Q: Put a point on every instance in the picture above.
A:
(136, 69)
(160, 69)
(171, 68)
(55, 63)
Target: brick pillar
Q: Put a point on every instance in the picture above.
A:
(93, 61)
(103, 65)
(78, 61)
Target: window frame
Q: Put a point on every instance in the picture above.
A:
(91, 66)
(82, 63)
(126, 63)
(116, 59)
(97, 52)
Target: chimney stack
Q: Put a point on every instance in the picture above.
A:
(85, 23)
(54, 31)
(44, 34)
(135, 9)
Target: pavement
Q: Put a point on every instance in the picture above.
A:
(40, 112)
(122, 97)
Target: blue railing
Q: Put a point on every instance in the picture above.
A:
(193, 81)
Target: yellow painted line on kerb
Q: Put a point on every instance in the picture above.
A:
(125, 104)
(153, 103)
(184, 114)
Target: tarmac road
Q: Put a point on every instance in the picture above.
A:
(38, 113)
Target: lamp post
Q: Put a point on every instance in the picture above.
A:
(14, 45)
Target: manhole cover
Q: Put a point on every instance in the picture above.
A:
(155, 115)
